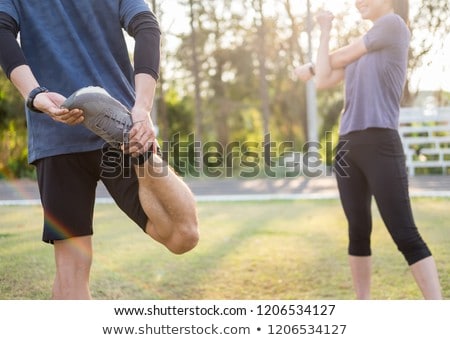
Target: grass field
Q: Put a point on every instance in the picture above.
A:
(248, 250)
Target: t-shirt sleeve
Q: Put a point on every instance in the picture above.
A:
(7, 6)
(385, 32)
(11, 54)
(129, 8)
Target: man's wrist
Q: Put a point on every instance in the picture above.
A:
(32, 95)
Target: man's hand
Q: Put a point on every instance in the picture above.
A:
(50, 103)
(142, 135)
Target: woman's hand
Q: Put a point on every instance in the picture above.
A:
(325, 20)
(303, 72)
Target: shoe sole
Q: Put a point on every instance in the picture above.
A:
(103, 114)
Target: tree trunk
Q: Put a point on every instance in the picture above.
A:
(195, 70)
(263, 85)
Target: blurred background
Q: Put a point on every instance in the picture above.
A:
(227, 78)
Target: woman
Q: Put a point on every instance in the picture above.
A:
(370, 159)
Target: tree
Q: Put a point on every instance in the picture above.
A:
(13, 134)
(261, 48)
(429, 25)
(196, 74)
(160, 109)
(229, 78)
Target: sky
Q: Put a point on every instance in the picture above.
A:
(434, 74)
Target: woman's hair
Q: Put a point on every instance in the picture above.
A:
(401, 7)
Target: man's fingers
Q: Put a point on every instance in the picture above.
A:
(74, 120)
(141, 144)
(135, 148)
(65, 116)
(141, 137)
(57, 112)
(155, 147)
(133, 132)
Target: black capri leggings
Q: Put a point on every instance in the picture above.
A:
(372, 162)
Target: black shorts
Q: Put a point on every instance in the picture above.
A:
(67, 185)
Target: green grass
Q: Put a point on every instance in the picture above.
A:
(251, 250)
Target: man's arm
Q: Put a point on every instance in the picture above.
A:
(14, 64)
(47, 102)
(11, 54)
(145, 30)
(143, 135)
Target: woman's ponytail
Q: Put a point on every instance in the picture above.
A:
(401, 7)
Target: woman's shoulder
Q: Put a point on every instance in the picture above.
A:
(393, 20)
(393, 23)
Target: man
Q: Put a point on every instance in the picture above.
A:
(66, 45)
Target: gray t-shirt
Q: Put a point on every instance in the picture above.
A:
(70, 44)
(374, 83)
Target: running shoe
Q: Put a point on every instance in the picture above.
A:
(103, 114)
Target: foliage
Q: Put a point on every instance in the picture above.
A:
(13, 134)
(14, 152)
(237, 82)
(430, 20)
(11, 104)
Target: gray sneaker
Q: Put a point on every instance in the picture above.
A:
(103, 114)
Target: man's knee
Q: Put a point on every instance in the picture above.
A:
(184, 239)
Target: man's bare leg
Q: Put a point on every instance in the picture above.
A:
(169, 205)
(73, 259)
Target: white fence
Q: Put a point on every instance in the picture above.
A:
(426, 138)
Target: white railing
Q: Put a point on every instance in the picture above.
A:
(425, 136)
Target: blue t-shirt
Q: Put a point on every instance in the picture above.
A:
(374, 83)
(70, 44)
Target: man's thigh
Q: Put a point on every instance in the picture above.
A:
(67, 186)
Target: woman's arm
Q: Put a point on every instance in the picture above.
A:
(348, 54)
(329, 68)
(326, 75)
